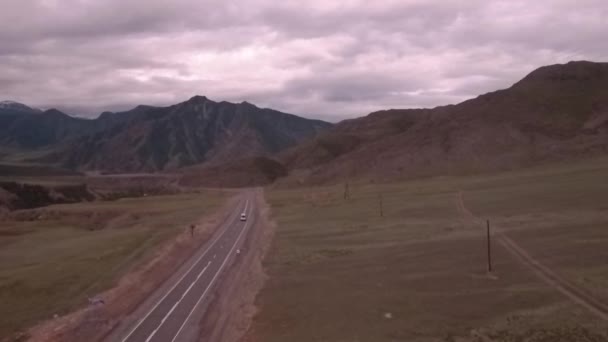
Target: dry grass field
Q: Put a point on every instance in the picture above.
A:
(339, 271)
(53, 258)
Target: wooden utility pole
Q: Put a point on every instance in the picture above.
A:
(489, 247)
(381, 205)
(346, 191)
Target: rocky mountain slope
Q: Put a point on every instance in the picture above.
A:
(557, 112)
(148, 139)
(242, 172)
(12, 106)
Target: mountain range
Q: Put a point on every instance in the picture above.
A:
(149, 139)
(557, 112)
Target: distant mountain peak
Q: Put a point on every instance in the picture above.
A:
(198, 98)
(54, 111)
(143, 107)
(571, 71)
(149, 139)
(106, 114)
(16, 106)
(245, 103)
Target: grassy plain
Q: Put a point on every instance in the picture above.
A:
(338, 271)
(53, 258)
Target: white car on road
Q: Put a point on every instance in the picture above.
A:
(243, 217)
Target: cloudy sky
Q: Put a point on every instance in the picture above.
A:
(316, 58)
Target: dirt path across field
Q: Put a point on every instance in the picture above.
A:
(571, 291)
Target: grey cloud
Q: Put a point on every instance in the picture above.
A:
(314, 58)
(352, 87)
(37, 19)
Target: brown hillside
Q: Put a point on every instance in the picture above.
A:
(15, 195)
(243, 172)
(556, 112)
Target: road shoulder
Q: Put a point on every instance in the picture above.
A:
(233, 306)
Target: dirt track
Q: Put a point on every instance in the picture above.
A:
(571, 291)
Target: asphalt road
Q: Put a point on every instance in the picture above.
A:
(176, 306)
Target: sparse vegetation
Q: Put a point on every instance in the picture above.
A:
(27, 196)
(52, 258)
(241, 172)
(556, 113)
(340, 272)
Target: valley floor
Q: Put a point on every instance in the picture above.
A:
(407, 261)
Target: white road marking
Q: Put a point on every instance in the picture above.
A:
(177, 303)
(211, 282)
(180, 279)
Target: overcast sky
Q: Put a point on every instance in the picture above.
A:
(316, 58)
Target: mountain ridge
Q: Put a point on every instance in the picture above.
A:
(150, 138)
(556, 112)
(8, 105)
